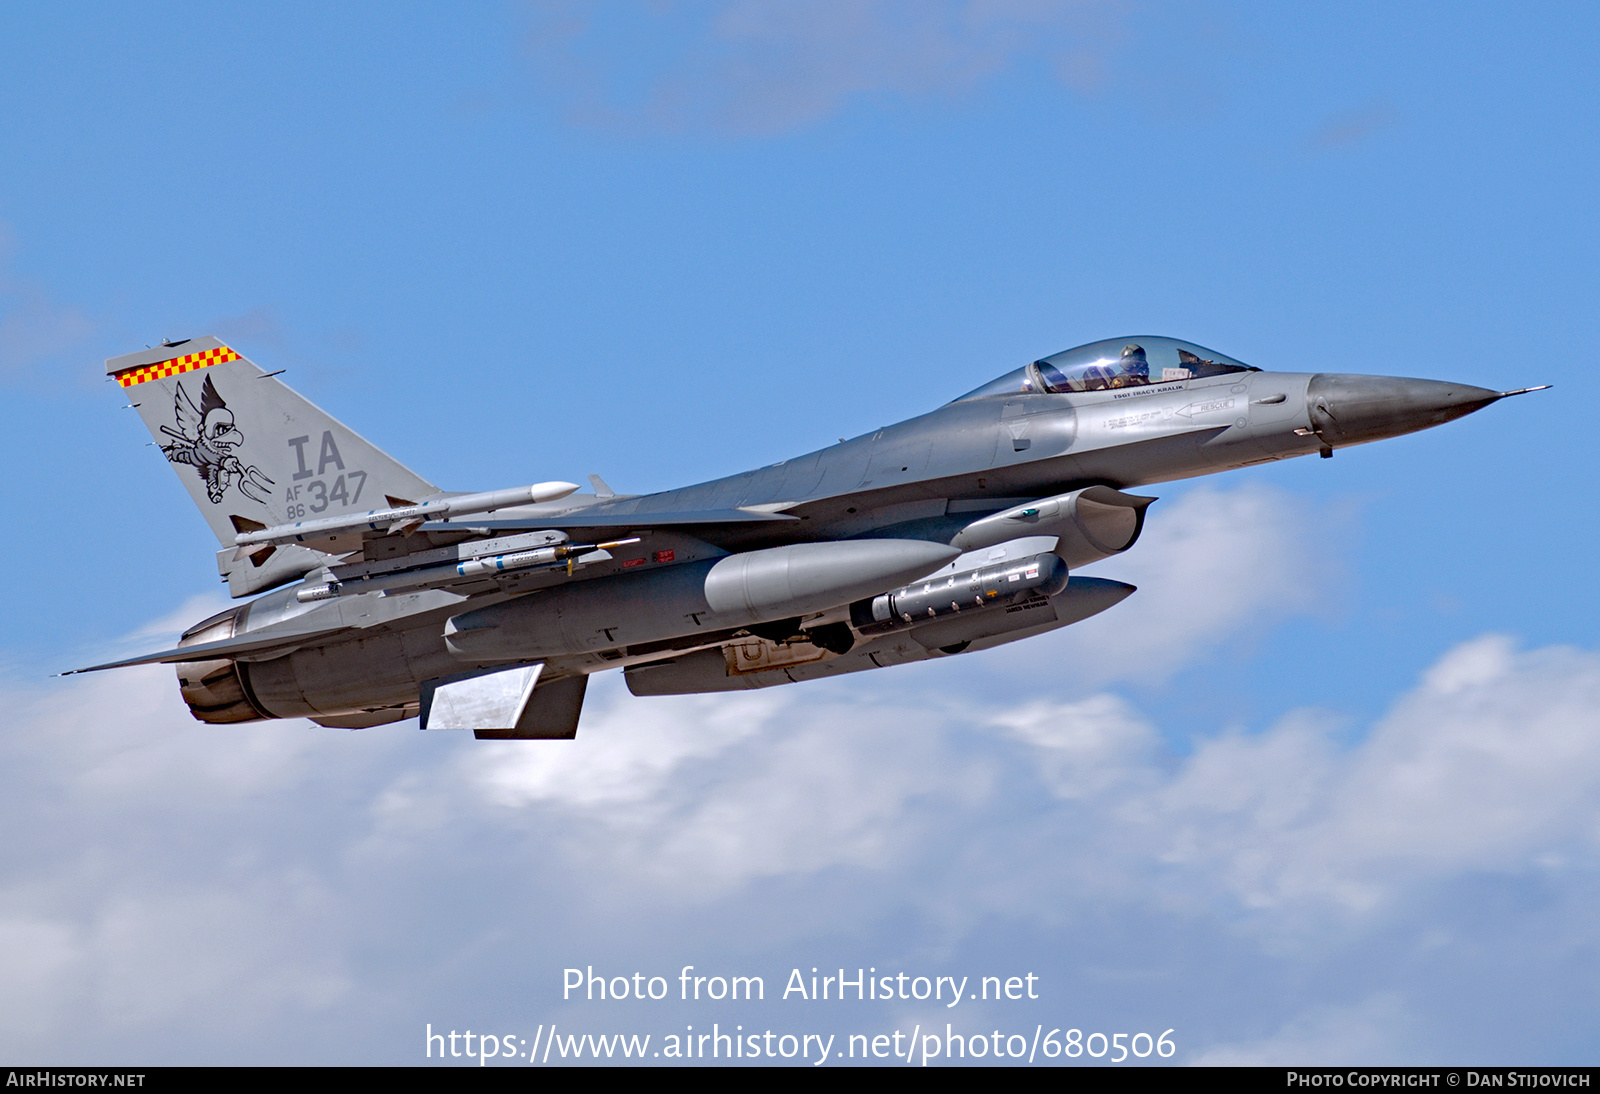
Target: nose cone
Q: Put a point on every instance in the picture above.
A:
(1349, 409)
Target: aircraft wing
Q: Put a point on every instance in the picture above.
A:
(258, 642)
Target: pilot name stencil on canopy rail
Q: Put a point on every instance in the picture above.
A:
(372, 596)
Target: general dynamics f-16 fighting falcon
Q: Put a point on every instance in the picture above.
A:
(386, 598)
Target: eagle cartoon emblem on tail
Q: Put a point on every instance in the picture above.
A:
(205, 439)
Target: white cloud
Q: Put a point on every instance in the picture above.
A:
(140, 894)
(1493, 761)
(1376, 1031)
(763, 66)
(123, 736)
(216, 956)
(191, 884)
(626, 755)
(701, 794)
(1086, 749)
(39, 957)
(1210, 563)
(1213, 567)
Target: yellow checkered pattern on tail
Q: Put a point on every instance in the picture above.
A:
(176, 366)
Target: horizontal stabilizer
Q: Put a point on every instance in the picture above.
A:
(263, 641)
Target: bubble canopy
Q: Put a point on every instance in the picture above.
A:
(1113, 363)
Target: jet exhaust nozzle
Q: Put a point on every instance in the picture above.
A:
(215, 691)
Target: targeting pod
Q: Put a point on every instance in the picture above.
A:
(973, 591)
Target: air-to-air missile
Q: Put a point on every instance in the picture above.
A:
(448, 565)
(959, 530)
(405, 517)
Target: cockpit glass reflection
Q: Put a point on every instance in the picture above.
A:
(1114, 363)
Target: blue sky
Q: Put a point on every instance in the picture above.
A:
(1326, 789)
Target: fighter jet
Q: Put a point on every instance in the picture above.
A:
(372, 596)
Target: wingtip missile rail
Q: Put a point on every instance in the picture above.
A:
(378, 520)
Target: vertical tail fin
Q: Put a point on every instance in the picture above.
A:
(252, 453)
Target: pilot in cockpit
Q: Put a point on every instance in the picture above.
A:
(1133, 369)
